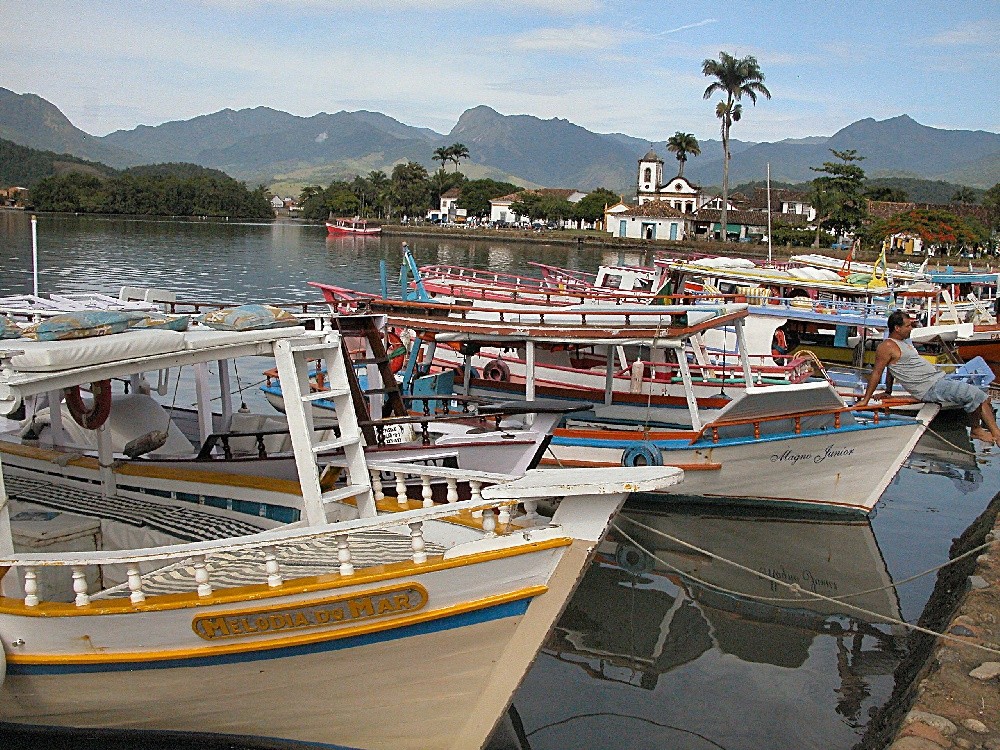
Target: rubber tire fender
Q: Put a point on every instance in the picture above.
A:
(497, 370)
(642, 454)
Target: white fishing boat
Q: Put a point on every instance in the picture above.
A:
(797, 444)
(214, 597)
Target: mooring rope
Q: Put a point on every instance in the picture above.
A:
(796, 588)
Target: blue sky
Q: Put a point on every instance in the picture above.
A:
(630, 67)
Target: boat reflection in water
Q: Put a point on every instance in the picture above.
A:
(948, 451)
(651, 604)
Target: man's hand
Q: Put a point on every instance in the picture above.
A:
(874, 397)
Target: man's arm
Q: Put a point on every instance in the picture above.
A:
(883, 358)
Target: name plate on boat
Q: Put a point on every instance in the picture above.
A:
(341, 610)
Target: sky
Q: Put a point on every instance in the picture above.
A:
(607, 65)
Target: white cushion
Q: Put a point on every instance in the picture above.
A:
(201, 338)
(49, 356)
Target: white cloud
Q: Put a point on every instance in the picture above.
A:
(983, 32)
(686, 26)
(575, 39)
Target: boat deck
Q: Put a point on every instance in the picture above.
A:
(189, 522)
(307, 559)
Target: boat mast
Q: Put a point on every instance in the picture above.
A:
(768, 212)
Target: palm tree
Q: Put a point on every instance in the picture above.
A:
(824, 203)
(459, 151)
(683, 145)
(443, 155)
(735, 78)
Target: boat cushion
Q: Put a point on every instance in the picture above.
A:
(248, 318)
(77, 325)
(8, 328)
(202, 338)
(49, 356)
(158, 321)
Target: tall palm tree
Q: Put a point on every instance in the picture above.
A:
(459, 151)
(683, 145)
(735, 78)
(443, 155)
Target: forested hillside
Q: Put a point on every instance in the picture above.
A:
(24, 167)
(158, 190)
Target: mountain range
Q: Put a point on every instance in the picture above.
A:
(285, 151)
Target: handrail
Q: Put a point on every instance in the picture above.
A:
(797, 417)
(268, 538)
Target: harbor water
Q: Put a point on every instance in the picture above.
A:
(672, 640)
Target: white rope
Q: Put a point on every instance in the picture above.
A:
(794, 587)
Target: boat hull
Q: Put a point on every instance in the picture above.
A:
(846, 470)
(470, 662)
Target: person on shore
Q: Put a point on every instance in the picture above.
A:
(925, 382)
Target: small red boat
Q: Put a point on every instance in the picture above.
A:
(351, 226)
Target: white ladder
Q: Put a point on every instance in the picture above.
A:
(291, 358)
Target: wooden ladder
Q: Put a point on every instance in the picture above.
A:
(381, 380)
(292, 359)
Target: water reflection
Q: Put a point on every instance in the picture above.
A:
(661, 602)
(946, 450)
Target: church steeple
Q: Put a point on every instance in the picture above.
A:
(650, 176)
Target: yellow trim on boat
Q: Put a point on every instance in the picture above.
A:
(260, 592)
(159, 471)
(225, 479)
(300, 640)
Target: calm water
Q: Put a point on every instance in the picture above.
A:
(662, 651)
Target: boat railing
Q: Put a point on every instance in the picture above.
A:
(879, 412)
(497, 291)
(493, 517)
(638, 315)
(463, 410)
(796, 369)
(440, 272)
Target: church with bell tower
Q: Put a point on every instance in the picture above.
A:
(678, 192)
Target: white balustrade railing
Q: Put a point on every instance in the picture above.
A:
(270, 542)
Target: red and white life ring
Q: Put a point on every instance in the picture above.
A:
(497, 370)
(93, 416)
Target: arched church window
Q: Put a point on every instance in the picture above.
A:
(647, 175)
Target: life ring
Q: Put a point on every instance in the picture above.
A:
(642, 454)
(92, 417)
(396, 351)
(497, 370)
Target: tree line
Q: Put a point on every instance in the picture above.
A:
(409, 191)
(158, 190)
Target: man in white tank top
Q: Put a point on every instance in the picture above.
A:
(925, 382)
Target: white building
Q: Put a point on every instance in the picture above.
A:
(500, 207)
(653, 220)
(448, 210)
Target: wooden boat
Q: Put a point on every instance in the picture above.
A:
(189, 599)
(813, 449)
(352, 226)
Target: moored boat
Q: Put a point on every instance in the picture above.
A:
(189, 599)
(352, 226)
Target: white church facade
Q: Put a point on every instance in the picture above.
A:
(678, 192)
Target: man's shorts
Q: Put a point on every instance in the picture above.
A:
(956, 392)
